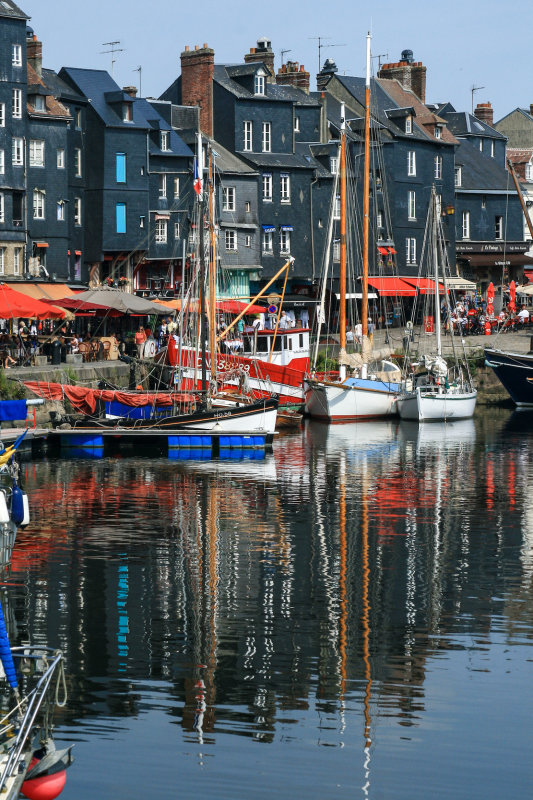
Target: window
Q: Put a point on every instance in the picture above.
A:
(458, 176)
(17, 103)
(438, 204)
(247, 240)
(410, 250)
(284, 242)
(2, 259)
(77, 162)
(18, 208)
(409, 124)
(121, 167)
(267, 241)
(466, 225)
(266, 143)
(16, 55)
(247, 206)
(267, 186)
(333, 165)
(176, 184)
(77, 117)
(337, 208)
(297, 124)
(60, 158)
(2, 115)
(411, 162)
(259, 84)
(161, 228)
(336, 249)
(228, 199)
(163, 186)
(77, 211)
(411, 205)
(379, 219)
(120, 214)
(2, 212)
(2, 162)
(231, 240)
(142, 221)
(285, 188)
(438, 167)
(164, 140)
(529, 172)
(60, 210)
(127, 112)
(17, 260)
(39, 103)
(498, 227)
(492, 148)
(38, 204)
(176, 230)
(248, 129)
(481, 145)
(438, 132)
(483, 201)
(36, 153)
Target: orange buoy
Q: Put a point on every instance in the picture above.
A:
(45, 787)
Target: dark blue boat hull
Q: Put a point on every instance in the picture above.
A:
(515, 372)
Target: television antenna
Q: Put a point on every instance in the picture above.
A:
(475, 89)
(114, 49)
(283, 52)
(139, 69)
(379, 57)
(321, 46)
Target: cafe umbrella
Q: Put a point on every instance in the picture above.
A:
(16, 305)
(112, 301)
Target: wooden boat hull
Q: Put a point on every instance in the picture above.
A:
(425, 405)
(515, 373)
(351, 400)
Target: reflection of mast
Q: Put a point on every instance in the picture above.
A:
(366, 629)
(342, 584)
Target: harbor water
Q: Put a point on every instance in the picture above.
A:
(350, 616)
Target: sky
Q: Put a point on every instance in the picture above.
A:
(463, 43)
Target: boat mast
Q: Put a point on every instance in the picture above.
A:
(203, 320)
(366, 193)
(342, 275)
(435, 238)
(212, 270)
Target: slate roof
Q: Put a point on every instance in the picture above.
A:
(59, 88)
(307, 150)
(480, 173)
(9, 9)
(280, 160)
(53, 107)
(424, 117)
(524, 111)
(224, 74)
(157, 122)
(461, 123)
(94, 84)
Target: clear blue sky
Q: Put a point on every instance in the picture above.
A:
(461, 43)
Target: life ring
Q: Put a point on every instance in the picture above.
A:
(149, 348)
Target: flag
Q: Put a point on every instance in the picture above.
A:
(197, 179)
(9, 452)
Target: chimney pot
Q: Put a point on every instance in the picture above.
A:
(196, 47)
(186, 48)
(205, 45)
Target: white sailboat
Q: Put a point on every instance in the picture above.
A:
(365, 396)
(438, 394)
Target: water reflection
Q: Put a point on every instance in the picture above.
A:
(341, 592)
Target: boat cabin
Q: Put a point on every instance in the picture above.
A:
(287, 346)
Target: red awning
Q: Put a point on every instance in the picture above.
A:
(384, 251)
(424, 285)
(77, 252)
(392, 286)
(41, 244)
(392, 251)
(528, 273)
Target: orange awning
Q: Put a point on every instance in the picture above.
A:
(41, 291)
(424, 285)
(391, 286)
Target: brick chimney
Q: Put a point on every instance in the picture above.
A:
(263, 53)
(197, 68)
(411, 74)
(293, 74)
(131, 90)
(34, 54)
(485, 113)
(531, 109)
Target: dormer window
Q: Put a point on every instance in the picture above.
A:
(127, 112)
(438, 132)
(165, 140)
(39, 103)
(409, 124)
(529, 172)
(259, 84)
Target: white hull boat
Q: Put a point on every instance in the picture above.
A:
(354, 398)
(437, 404)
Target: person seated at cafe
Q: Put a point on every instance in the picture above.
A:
(74, 344)
(7, 361)
(523, 315)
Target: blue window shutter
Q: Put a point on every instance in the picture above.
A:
(121, 167)
(121, 217)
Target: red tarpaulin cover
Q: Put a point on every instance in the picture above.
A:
(15, 304)
(391, 287)
(84, 399)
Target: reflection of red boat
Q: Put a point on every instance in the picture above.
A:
(262, 362)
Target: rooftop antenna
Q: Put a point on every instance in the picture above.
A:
(283, 54)
(379, 57)
(321, 47)
(114, 49)
(139, 69)
(475, 89)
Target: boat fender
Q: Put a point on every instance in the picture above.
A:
(17, 506)
(47, 787)
(4, 511)
(26, 507)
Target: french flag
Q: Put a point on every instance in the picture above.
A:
(197, 180)
(198, 170)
